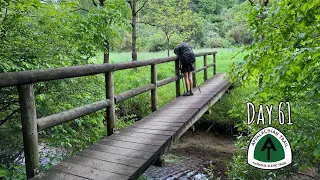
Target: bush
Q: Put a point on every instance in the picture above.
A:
(303, 136)
(217, 42)
(150, 39)
(221, 111)
(157, 44)
(240, 35)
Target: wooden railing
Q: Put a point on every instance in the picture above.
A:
(24, 80)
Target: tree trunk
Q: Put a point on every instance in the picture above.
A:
(106, 52)
(168, 43)
(134, 31)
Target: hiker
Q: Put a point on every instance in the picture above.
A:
(187, 58)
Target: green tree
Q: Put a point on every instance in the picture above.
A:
(286, 49)
(175, 19)
(283, 65)
(102, 24)
(211, 9)
(134, 13)
(36, 35)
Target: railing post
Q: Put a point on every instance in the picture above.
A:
(177, 71)
(215, 64)
(194, 75)
(110, 110)
(205, 72)
(29, 128)
(154, 91)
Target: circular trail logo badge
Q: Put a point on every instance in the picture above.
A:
(269, 149)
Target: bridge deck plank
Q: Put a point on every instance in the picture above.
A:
(146, 140)
(129, 152)
(168, 119)
(129, 145)
(102, 165)
(148, 131)
(113, 158)
(159, 127)
(158, 123)
(143, 135)
(57, 175)
(87, 172)
(122, 151)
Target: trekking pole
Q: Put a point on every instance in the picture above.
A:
(198, 85)
(183, 83)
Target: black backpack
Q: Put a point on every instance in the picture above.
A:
(185, 54)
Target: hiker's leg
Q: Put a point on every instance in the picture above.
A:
(186, 79)
(190, 80)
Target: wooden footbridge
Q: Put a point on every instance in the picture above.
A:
(120, 155)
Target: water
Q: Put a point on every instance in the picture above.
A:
(47, 154)
(197, 157)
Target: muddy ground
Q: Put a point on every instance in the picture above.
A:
(197, 155)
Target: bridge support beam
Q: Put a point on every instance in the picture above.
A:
(111, 109)
(160, 162)
(29, 128)
(215, 65)
(177, 71)
(205, 72)
(154, 91)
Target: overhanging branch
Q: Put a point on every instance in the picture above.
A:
(94, 3)
(8, 117)
(130, 3)
(155, 25)
(80, 9)
(145, 2)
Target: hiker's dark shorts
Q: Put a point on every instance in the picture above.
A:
(187, 68)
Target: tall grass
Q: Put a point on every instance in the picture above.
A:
(128, 79)
(224, 56)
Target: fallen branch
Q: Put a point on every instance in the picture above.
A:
(8, 117)
(210, 127)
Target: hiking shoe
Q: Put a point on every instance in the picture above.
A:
(186, 94)
(191, 93)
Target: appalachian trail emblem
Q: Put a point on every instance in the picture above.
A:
(269, 149)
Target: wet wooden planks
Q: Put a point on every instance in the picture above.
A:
(129, 152)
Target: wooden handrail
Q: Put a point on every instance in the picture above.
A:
(34, 76)
(205, 75)
(31, 125)
(133, 92)
(62, 117)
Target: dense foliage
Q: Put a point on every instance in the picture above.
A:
(175, 19)
(36, 35)
(202, 23)
(282, 65)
